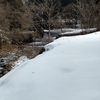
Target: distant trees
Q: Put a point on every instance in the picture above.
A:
(48, 10)
(9, 13)
(14, 18)
(85, 12)
(69, 16)
(63, 2)
(97, 18)
(36, 15)
(3, 21)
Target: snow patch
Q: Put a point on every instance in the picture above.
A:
(20, 61)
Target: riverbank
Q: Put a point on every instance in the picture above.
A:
(9, 54)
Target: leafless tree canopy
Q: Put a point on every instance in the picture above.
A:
(83, 11)
(86, 11)
(47, 9)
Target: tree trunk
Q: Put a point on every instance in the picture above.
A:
(61, 24)
(49, 32)
(49, 27)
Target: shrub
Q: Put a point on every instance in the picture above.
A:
(19, 38)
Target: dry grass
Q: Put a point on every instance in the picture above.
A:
(20, 50)
(7, 49)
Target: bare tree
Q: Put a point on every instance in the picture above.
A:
(69, 16)
(48, 10)
(85, 11)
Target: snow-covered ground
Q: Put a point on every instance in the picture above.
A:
(66, 31)
(71, 30)
(69, 69)
(19, 61)
(77, 31)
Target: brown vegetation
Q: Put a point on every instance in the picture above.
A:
(48, 10)
(86, 12)
(29, 50)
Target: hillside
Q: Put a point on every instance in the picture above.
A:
(69, 69)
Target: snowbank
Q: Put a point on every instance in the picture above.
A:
(68, 70)
(19, 61)
(78, 31)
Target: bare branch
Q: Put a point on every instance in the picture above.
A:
(48, 8)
